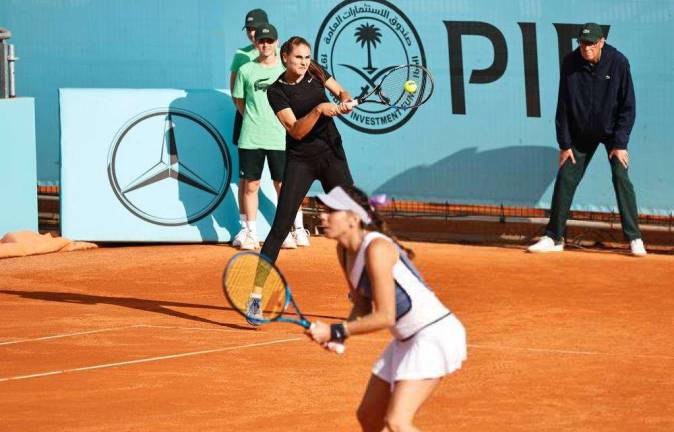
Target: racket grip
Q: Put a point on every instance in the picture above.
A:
(352, 103)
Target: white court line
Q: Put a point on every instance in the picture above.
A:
(541, 350)
(538, 350)
(556, 351)
(251, 331)
(478, 346)
(63, 335)
(364, 339)
(149, 359)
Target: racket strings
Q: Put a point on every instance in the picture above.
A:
(248, 277)
(392, 89)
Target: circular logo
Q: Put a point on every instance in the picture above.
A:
(358, 42)
(169, 166)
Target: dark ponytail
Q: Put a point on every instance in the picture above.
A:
(377, 223)
(314, 68)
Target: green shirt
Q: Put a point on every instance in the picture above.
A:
(261, 129)
(243, 55)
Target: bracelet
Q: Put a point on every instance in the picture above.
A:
(337, 332)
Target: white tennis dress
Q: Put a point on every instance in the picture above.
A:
(430, 341)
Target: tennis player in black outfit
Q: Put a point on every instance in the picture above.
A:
(313, 145)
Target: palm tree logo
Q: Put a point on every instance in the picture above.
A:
(368, 35)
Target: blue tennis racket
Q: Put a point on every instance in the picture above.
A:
(258, 290)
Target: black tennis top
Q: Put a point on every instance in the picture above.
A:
(301, 98)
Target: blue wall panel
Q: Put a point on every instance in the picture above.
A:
(494, 145)
(18, 191)
(151, 165)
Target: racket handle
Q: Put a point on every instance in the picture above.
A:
(352, 103)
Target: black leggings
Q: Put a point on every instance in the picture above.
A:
(327, 168)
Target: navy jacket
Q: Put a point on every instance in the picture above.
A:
(595, 102)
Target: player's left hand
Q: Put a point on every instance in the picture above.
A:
(622, 155)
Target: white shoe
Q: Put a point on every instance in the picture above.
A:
(236, 242)
(250, 242)
(301, 236)
(254, 310)
(546, 244)
(637, 248)
(289, 242)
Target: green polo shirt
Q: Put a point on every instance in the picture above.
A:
(243, 55)
(261, 129)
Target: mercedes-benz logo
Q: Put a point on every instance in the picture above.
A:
(169, 166)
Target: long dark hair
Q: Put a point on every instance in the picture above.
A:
(377, 223)
(314, 68)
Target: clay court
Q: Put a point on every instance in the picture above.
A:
(141, 338)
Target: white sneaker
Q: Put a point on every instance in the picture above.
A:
(236, 242)
(546, 244)
(637, 248)
(250, 242)
(301, 236)
(254, 310)
(289, 242)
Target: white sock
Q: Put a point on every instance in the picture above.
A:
(299, 220)
(252, 226)
(242, 220)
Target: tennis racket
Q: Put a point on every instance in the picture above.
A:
(258, 290)
(403, 87)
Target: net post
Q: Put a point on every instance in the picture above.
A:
(4, 91)
(11, 59)
(6, 65)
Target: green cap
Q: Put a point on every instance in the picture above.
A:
(255, 17)
(265, 31)
(590, 32)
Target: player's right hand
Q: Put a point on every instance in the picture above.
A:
(328, 109)
(564, 155)
(319, 332)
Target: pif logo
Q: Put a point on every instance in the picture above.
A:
(358, 42)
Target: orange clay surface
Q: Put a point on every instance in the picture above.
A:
(141, 339)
